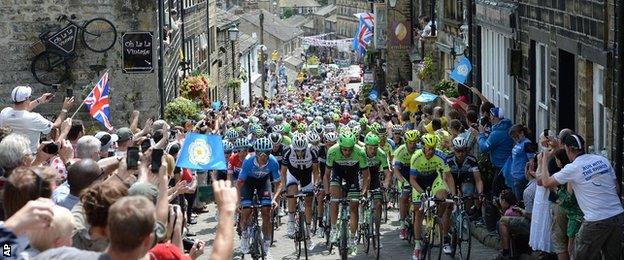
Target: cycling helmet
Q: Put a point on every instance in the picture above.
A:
(318, 129)
(276, 138)
(331, 137)
(363, 121)
(286, 128)
(227, 146)
(460, 142)
(299, 142)
(301, 127)
(336, 117)
(356, 130)
(263, 145)
(270, 121)
(241, 143)
(353, 124)
(430, 140)
(371, 139)
(277, 128)
(347, 140)
(231, 134)
(412, 135)
(314, 138)
(330, 128)
(397, 129)
(260, 132)
(279, 118)
(375, 127)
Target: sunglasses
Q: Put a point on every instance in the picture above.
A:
(262, 152)
(346, 149)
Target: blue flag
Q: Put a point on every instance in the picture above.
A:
(373, 95)
(426, 97)
(461, 71)
(202, 152)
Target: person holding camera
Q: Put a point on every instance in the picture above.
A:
(22, 121)
(522, 151)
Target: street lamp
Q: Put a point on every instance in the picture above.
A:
(305, 45)
(233, 34)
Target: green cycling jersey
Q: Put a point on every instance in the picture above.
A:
(378, 161)
(356, 161)
(420, 165)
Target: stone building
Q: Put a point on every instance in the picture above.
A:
(302, 7)
(278, 35)
(346, 22)
(321, 16)
(20, 24)
(248, 59)
(304, 23)
(227, 63)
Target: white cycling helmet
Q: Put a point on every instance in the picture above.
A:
(331, 137)
(299, 142)
(276, 138)
(460, 142)
(314, 138)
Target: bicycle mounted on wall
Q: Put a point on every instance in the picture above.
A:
(55, 50)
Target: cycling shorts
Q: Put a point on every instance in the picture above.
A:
(433, 181)
(261, 187)
(306, 185)
(404, 188)
(352, 183)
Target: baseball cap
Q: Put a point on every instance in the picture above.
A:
(574, 141)
(124, 134)
(21, 93)
(497, 112)
(106, 140)
(144, 189)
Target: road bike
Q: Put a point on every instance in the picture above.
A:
(254, 231)
(276, 219)
(55, 50)
(461, 239)
(342, 224)
(432, 228)
(326, 221)
(301, 236)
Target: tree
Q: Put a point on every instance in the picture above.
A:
(288, 12)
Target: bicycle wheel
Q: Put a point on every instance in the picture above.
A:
(314, 216)
(376, 239)
(258, 243)
(464, 238)
(303, 234)
(99, 35)
(50, 67)
(434, 241)
(343, 239)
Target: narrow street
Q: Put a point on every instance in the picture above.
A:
(284, 248)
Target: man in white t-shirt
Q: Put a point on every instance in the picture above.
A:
(30, 124)
(595, 186)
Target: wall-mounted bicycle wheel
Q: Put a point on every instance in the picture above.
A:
(99, 35)
(50, 67)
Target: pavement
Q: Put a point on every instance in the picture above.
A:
(284, 248)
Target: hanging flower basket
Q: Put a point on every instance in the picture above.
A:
(448, 88)
(195, 88)
(234, 83)
(427, 70)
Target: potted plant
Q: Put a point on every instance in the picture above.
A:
(426, 70)
(181, 109)
(195, 87)
(445, 87)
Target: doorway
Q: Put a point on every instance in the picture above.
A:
(567, 90)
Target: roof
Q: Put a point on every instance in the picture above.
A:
(296, 20)
(325, 10)
(298, 3)
(225, 18)
(309, 24)
(273, 25)
(246, 42)
(332, 18)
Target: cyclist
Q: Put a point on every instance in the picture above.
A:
(330, 140)
(429, 170)
(235, 162)
(464, 168)
(397, 135)
(401, 167)
(377, 163)
(228, 147)
(277, 152)
(300, 169)
(344, 161)
(255, 178)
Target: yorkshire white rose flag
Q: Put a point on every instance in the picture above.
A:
(202, 152)
(461, 71)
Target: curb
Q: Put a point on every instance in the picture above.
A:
(484, 236)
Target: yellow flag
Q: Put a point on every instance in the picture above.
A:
(410, 104)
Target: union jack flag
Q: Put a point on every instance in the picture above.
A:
(364, 32)
(97, 102)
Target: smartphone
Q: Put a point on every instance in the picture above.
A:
(51, 148)
(69, 92)
(145, 145)
(156, 160)
(132, 158)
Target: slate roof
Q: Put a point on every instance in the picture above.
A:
(225, 18)
(298, 3)
(325, 10)
(273, 25)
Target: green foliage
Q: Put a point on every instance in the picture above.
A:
(194, 88)
(234, 83)
(449, 88)
(427, 70)
(180, 110)
(365, 91)
(288, 12)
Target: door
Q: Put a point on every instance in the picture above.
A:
(567, 90)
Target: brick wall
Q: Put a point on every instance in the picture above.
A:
(22, 21)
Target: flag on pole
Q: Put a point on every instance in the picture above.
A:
(363, 33)
(462, 69)
(202, 152)
(97, 102)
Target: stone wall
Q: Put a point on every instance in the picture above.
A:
(22, 21)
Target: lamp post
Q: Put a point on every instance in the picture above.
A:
(233, 34)
(305, 45)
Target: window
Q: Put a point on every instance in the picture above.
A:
(600, 111)
(542, 115)
(188, 3)
(498, 85)
(189, 46)
(453, 9)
